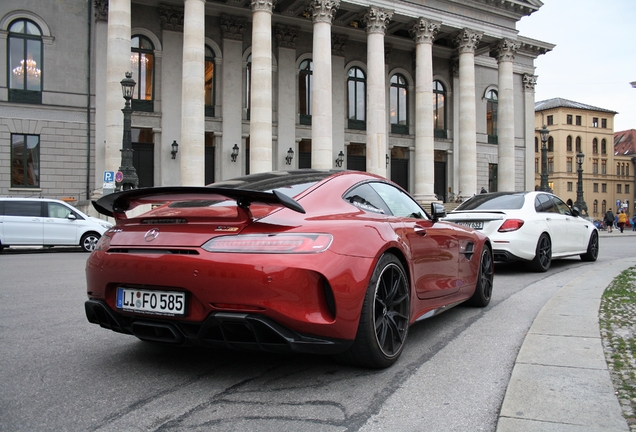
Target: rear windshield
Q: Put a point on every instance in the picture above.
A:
(493, 202)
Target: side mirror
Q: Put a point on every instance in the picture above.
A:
(71, 216)
(437, 211)
(575, 211)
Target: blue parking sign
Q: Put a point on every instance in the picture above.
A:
(109, 176)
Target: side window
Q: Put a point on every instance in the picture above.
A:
(398, 202)
(365, 198)
(561, 207)
(23, 208)
(58, 211)
(543, 204)
(25, 62)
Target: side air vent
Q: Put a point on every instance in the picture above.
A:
(163, 221)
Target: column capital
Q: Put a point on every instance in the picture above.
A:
(262, 5)
(424, 31)
(529, 81)
(323, 11)
(338, 44)
(467, 40)
(233, 27)
(101, 10)
(172, 17)
(286, 35)
(505, 50)
(376, 19)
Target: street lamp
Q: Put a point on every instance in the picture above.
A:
(580, 202)
(129, 179)
(545, 134)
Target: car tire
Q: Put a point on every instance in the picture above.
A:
(89, 241)
(384, 320)
(543, 255)
(485, 276)
(592, 249)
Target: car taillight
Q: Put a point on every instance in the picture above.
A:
(103, 243)
(510, 225)
(270, 243)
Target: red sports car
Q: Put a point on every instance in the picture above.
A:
(327, 262)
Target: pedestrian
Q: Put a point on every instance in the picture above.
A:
(634, 223)
(483, 190)
(609, 220)
(622, 220)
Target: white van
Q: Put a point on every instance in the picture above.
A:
(47, 222)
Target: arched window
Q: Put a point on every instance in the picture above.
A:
(210, 82)
(604, 206)
(356, 98)
(595, 146)
(568, 143)
(305, 85)
(536, 144)
(603, 146)
(142, 61)
(248, 88)
(439, 109)
(398, 105)
(550, 144)
(25, 62)
(578, 144)
(491, 116)
(595, 206)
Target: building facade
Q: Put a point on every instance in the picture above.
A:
(608, 178)
(436, 95)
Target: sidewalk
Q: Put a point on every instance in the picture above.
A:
(560, 381)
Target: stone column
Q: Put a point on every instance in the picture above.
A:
(261, 87)
(376, 20)
(101, 65)
(287, 73)
(505, 52)
(339, 97)
(423, 32)
(466, 42)
(117, 64)
(322, 12)
(192, 146)
(529, 82)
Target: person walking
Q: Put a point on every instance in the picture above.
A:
(609, 220)
(634, 223)
(622, 220)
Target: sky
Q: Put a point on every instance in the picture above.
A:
(594, 60)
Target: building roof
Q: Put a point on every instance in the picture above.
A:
(565, 103)
(625, 142)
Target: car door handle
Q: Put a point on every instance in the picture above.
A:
(419, 231)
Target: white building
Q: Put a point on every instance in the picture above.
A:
(437, 95)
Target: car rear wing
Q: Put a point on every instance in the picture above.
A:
(116, 204)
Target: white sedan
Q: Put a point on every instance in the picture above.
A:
(535, 227)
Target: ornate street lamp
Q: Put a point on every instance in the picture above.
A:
(290, 156)
(545, 134)
(340, 159)
(129, 179)
(580, 202)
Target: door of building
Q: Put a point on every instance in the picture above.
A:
(439, 188)
(144, 163)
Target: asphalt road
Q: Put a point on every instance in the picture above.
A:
(58, 372)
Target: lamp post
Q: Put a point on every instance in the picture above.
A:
(580, 202)
(545, 134)
(129, 179)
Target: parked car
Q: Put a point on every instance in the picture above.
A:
(326, 262)
(47, 222)
(535, 227)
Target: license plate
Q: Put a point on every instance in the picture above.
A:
(168, 303)
(474, 225)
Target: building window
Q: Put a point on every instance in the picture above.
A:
(578, 121)
(25, 62)
(578, 144)
(604, 123)
(603, 167)
(569, 186)
(550, 120)
(627, 188)
(357, 93)
(604, 187)
(536, 144)
(595, 122)
(491, 116)
(550, 144)
(210, 79)
(568, 143)
(603, 146)
(627, 170)
(569, 119)
(595, 146)
(618, 169)
(398, 105)
(619, 188)
(595, 206)
(25, 160)
(439, 109)
(568, 164)
(536, 165)
(551, 165)
(622, 169)
(248, 87)
(604, 206)
(305, 85)
(595, 187)
(595, 166)
(142, 61)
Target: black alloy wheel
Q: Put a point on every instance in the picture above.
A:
(592, 248)
(485, 278)
(543, 256)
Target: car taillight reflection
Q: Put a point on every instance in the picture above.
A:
(270, 243)
(510, 225)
